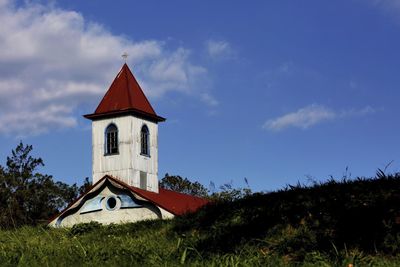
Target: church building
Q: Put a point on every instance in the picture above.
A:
(125, 163)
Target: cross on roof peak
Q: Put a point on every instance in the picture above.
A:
(125, 56)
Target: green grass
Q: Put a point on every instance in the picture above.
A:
(330, 224)
(152, 244)
(146, 244)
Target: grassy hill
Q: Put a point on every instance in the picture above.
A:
(331, 224)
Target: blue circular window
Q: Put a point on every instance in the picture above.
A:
(111, 203)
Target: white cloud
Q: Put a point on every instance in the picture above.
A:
(302, 118)
(219, 49)
(387, 4)
(391, 7)
(53, 60)
(357, 112)
(209, 100)
(174, 72)
(312, 115)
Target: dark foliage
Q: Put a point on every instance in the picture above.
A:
(85, 186)
(359, 214)
(226, 192)
(184, 185)
(27, 196)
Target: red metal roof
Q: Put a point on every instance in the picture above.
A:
(125, 96)
(174, 202)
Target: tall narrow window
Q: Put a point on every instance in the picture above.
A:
(144, 141)
(111, 145)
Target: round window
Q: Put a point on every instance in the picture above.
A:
(111, 203)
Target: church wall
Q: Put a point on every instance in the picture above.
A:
(144, 163)
(127, 164)
(119, 165)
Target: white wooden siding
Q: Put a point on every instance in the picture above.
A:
(128, 163)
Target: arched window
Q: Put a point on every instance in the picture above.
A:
(111, 144)
(144, 141)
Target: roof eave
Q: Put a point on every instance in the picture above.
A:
(135, 191)
(118, 113)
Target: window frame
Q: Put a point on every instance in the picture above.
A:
(147, 139)
(107, 203)
(109, 150)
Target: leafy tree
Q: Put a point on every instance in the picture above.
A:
(226, 192)
(27, 196)
(85, 186)
(229, 193)
(183, 185)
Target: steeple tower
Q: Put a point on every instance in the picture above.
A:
(125, 134)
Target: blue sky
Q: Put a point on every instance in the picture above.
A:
(275, 91)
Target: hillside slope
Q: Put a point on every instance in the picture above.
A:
(335, 223)
(361, 213)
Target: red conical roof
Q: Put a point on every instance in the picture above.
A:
(125, 97)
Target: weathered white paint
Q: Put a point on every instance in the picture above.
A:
(126, 165)
(147, 212)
